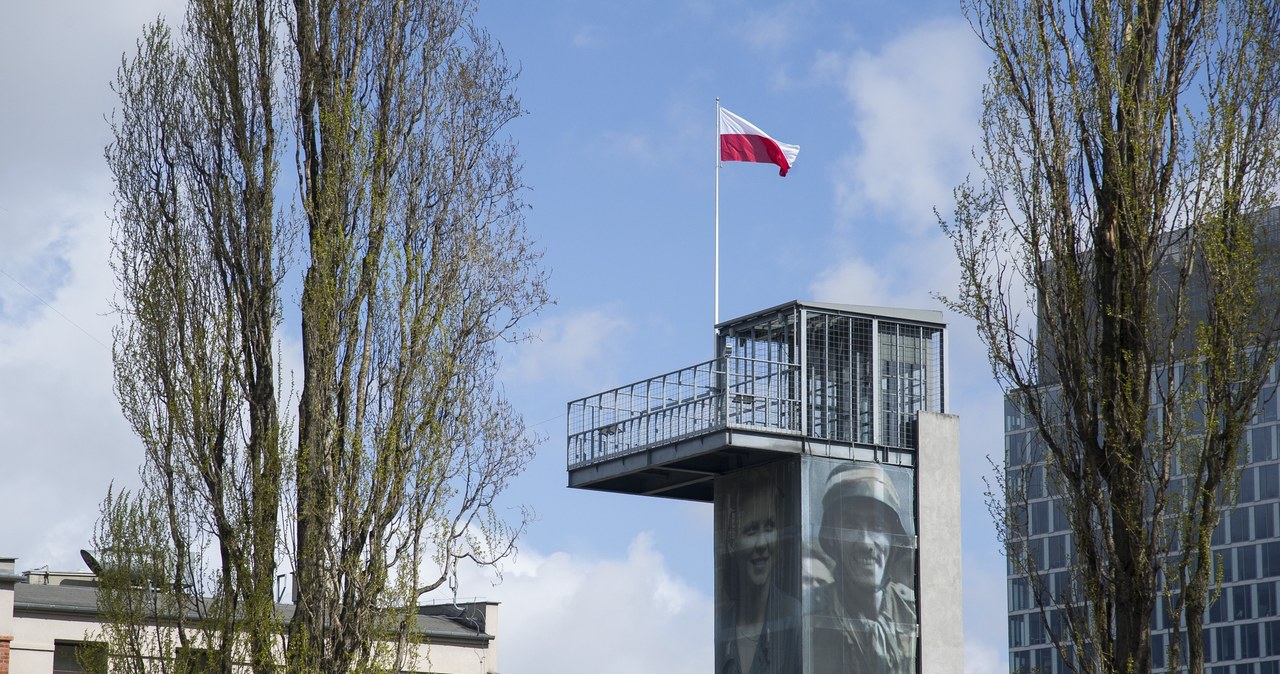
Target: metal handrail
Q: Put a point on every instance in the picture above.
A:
(727, 392)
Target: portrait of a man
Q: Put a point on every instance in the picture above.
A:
(864, 617)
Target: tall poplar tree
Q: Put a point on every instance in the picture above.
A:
(406, 219)
(1118, 259)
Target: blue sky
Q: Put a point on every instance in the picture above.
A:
(882, 96)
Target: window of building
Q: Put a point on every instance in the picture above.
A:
(1269, 478)
(1015, 445)
(1226, 638)
(196, 661)
(79, 656)
(1060, 520)
(1267, 404)
(1226, 562)
(1271, 559)
(1241, 602)
(1021, 662)
(1018, 594)
(1035, 630)
(1266, 594)
(1040, 517)
(1246, 494)
(1264, 521)
(1250, 645)
(1044, 660)
(1016, 638)
(1057, 551)
(1061, 589)
(1260, 443)
(1218, 609)
(1246, 562)
(1240, 523)
(1273, 637)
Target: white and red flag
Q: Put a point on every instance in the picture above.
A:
(741, 140)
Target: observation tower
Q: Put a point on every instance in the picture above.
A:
(821, 435)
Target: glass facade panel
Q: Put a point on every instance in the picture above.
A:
(1270, 559)
(1260, 445)
(1264, 522)
(1242, 632)
(1269, 480)
(1250, 645)
(1246, 562)
(1266, 599)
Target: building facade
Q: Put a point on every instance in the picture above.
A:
(1242, 626)
(49, 623)
(819, 434)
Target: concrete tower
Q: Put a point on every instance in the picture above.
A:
(820, 433)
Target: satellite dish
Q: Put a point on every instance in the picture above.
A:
(91, 562)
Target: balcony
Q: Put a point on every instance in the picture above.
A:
(834, 380)
(729, 392)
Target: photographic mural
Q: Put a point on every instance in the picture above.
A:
(815, 569)
(758, 610)
(859, 568)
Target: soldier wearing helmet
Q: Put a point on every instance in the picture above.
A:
(868, 619)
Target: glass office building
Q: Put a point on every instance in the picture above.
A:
(1242, 626)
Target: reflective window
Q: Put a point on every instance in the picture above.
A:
(1264, 523)
(1240, 525)
(1218, 610)
(1271, 559)
(1250, 647)
(1241, 602)
(1226, 642)
(1260, 444)
(1246, 492)
(1269, 479)
(1266, 595)
(1018, 594)
(1044, 660)
(1057, 551)
(1272, 629)
(1246, 562)
(1016, 637)
(1040, 517)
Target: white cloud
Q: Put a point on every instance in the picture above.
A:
(568, 614)
(915, 111)
(849, 279)
(571, 347)
(981, 658)
(60, 424)
(587, 37)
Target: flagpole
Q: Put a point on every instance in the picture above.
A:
(716, 312)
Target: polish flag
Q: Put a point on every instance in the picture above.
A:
(741, 140)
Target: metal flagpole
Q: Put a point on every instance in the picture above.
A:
(716, 314)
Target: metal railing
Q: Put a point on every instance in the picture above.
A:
(729, 392)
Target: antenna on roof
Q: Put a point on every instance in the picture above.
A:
(92, 562)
